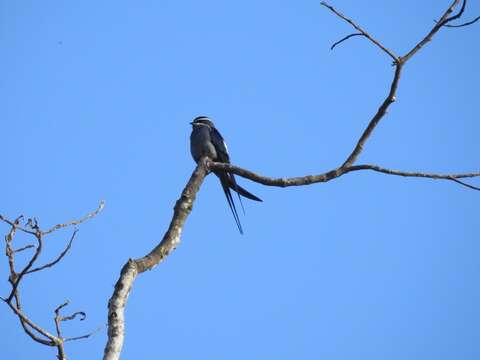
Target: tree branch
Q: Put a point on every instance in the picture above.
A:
(117, 303)
(15, 278)
(333, 174)
(345, 38)
(464, 24)
(133, 267)
(443, 21)
(62, 254)
(361, 31)
(76, 222)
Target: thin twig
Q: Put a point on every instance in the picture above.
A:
(34, 258)
(382, 110)
(60, 257)
(464, 24)
(86, 335)
(458, 15)
(345, 38)
(26, 328)
(21, 315)
(24, 248)
(82, 315)
(58, 318)
(360, 30)
(443, 20)
(17, 226)
(76, 222)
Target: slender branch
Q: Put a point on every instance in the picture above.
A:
(458, 15)
(26, 328)
(58, 318)
(332, 174)
(345, 38)
(76, 222)
(382, 110)
(15, 278)
(443, 21)
(464, 24)
(82, 315)
(86, 336)
(398, 62)
(62, 254)
(38, 250)
(24, 248)
(24, 318)
(360, 30)
(16, 224)
(117, 303)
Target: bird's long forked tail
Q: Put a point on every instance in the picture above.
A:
(226, 189)
(241, 191)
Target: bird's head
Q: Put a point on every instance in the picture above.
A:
(202, 121)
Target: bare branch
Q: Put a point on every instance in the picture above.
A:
(24, 248)
(58, 318)
(398, 62)
(332, 174)
(360, 30)
(458, 15)
(382, 110)
(34, 258)
(25, 319)
(443, 20)
(82, 315)
(62, 254)
(15, 278)
(16, 224)
(76, 222)
(464, 24)
(86, 335)
(345, 38)
(117, 303)
(26, 327)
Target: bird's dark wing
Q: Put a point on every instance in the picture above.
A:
(223, 156)
(220, 146)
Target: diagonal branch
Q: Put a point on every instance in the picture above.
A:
(464, 24)
(382, 110)
(86, 336)
(25, 319)
(443, 21)
(76, 222)
(17, 224)
(361, 31)
(399, 62)
(62, 254)
(344, 39)
(26, 327)
(129, 272)
(17, 278)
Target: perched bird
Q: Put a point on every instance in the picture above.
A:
(205, 140)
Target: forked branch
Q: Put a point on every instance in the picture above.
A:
(32, 329)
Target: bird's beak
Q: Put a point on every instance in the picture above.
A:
(191, 123)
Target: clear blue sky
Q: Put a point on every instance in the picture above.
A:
(96, 101)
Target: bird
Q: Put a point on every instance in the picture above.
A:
(206, 141)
